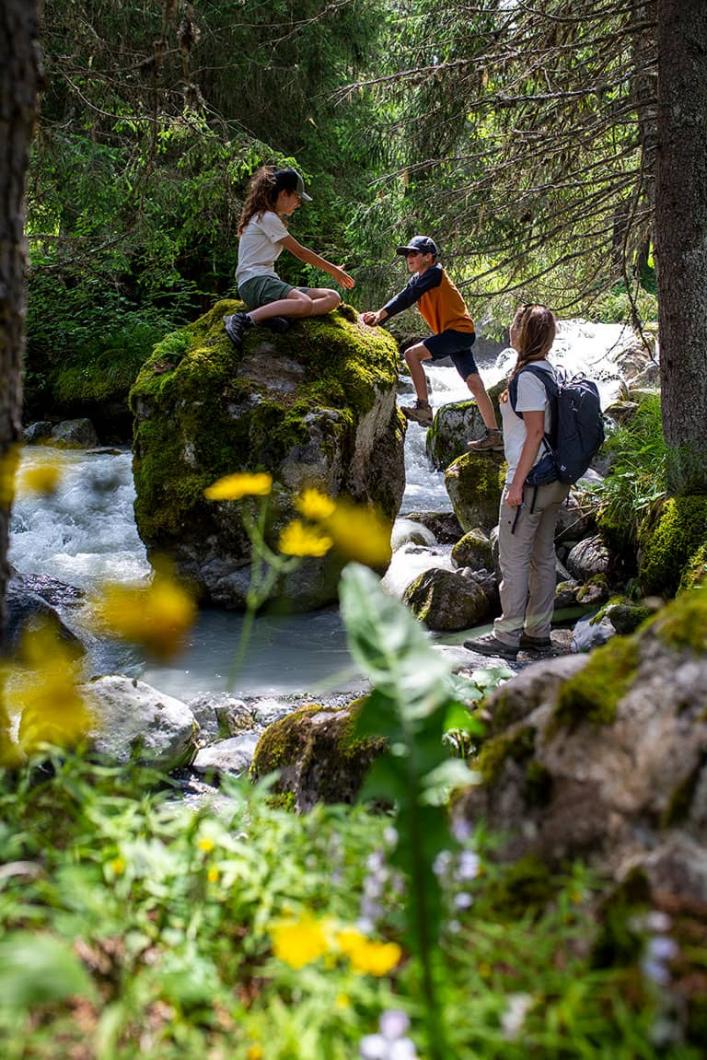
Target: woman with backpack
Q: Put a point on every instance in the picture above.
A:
(528, 513)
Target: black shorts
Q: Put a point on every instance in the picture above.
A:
(457, 346)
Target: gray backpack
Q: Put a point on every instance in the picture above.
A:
(577, 430)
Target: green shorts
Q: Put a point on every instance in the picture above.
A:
(261, 290)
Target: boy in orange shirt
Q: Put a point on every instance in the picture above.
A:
(443, 309)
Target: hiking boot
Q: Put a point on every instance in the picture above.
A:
(235, 326)
(278, 324)
(489, 644)
(420, 413)
(492, 442)
(528, 643)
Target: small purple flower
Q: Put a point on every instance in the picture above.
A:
(394, 1024)
(468, 865)
(463, 901)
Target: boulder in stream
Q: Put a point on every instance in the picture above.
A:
(314, 407)
(474, 483)
(447, 600)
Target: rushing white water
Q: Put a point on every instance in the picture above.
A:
(86, 534)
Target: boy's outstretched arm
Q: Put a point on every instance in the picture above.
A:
(308, 256)
(410, 294)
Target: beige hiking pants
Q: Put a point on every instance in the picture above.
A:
(527, 558)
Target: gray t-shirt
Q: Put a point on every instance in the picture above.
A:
(532, 397)
(260, 247)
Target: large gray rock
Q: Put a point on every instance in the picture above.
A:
(605, 756)
(589, 557)
(134, 720)
(446, 600)
(444, 525)
(473, 550)
(575, 518)
(74, 434)
(227, 756)
(219, 714)
(474, 485)
(315, 406)
(454, 425)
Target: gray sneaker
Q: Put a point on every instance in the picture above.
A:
(420, 413)
(235, 326)
(492, 442)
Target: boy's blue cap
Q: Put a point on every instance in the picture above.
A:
(423, 244)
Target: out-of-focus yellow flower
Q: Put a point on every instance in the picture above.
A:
(117, 866)
(43, 479)
(45, 692)
(8, 468)
(255, 1052)
(300, 540)
(206, 844)
(342, 1001)
(241, 484)
(359, 534)
(299, 942)
(314, 505)
(367, 956)
(213, 874)
(158, 616)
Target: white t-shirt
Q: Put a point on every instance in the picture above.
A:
(532, 397)
(260, 247)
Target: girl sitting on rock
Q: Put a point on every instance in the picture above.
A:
(273, 196)
(528, 514)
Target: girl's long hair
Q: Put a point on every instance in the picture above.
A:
(263, 190)
(536, 329)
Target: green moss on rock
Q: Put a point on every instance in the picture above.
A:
(670, 543)
(683, 623)
(594, 693)
(474, 483)
(517, 745)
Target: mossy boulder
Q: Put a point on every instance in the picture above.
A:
(446, 600)
(672, 545)
(474, 483)
(454, 425)
(602, 756)
(316, 755)
(473, 550)
(315, 406)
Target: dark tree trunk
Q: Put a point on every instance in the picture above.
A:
(19, 82)
(681, 238)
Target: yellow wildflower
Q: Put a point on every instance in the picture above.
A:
(45, 691)
(349, 940)
(342, 1001)
(360, 534)
(300, 540)
(43, 479)
(117, 866)
(299, 942)
(206, 844)
(314, 505)
(375, 958)
(255, 1052)
(241, 484)
(158, 616)
(8, 467)
(213, 874)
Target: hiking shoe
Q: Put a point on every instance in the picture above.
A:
(528, 643)
(492, 442)
(489, 644)
(420, 413)
(235, 326)
(278, 324)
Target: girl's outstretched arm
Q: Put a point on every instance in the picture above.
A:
(308, 256)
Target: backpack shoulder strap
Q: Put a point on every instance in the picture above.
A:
(547, 379)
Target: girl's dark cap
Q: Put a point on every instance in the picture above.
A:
(289, 179)
(419, 244)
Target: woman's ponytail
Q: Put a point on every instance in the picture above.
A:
(261, 195)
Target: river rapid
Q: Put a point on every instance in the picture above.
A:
(86, 534)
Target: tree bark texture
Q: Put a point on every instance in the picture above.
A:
(681, 238)
(19, 83)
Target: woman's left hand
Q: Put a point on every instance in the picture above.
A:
(514, 497)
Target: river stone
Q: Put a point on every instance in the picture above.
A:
(221, 714)
(474, 550)
(227, 756)
(612, 759)
(575, 517)
(589, 557)
(25, 610)
(37, 432)
(74, 434)
(446, 600)
(316, 756)
(474, 484)
(135, 720)
(315, 406)
(444, 525)
(408, 532)
(566, 593)
(456, 424)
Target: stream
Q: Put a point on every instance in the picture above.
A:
(86, 534)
